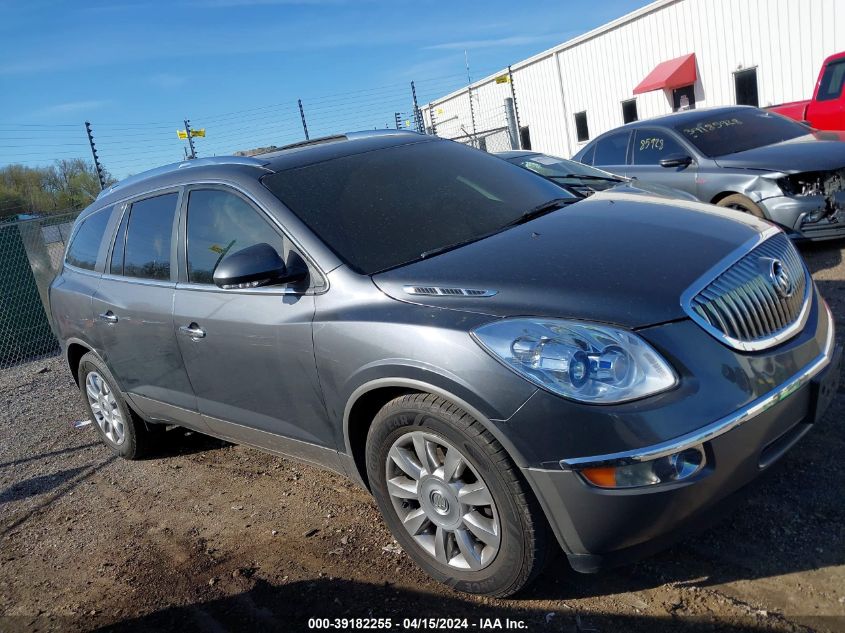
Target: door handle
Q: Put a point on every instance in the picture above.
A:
(193, 330)
(108, 317)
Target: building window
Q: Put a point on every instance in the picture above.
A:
(629, 111)
(745, 82)
(683, 99)
(581, 129)
(524, 138)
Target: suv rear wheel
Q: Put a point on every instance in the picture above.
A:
(118, 426)
(452, 497)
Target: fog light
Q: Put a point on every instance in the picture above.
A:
(814, 216)
(675, 467)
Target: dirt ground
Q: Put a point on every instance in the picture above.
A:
(208, 536)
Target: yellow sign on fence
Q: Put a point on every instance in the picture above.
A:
(183, 134)
(502, 79)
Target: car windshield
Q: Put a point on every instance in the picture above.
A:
(738, 131)
(387, 207)
(554, 167)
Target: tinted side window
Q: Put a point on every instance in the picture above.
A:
(612, 150)
(147, 252)
(83, 250)
(220, 223)
(652, 145)
(832, 80)
(116, 264)
(589, 155)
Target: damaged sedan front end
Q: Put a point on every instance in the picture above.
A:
(812, 203)
(737, 157)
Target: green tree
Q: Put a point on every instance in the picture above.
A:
(64, 185)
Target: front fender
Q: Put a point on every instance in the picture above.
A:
(441, 386)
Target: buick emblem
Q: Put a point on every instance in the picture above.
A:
(782, 281)
(439, 502)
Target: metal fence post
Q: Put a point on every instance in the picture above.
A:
(302, 116)
(513, 129)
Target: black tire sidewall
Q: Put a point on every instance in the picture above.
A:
(749, 206)
(129, 448)
(513, 553)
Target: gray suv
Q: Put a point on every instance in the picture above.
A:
(502, 363)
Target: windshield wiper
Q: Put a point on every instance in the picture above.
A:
(589, 177)
(540, 209)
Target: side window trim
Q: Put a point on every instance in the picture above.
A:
(275, 225)
(104, 242)
(125, 207)
(123, 211)
(669, 134)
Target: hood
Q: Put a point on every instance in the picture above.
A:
(653, 189)
(614, 258)
(805, 153)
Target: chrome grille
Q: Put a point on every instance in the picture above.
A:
(759, 301)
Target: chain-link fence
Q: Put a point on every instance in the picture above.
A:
(483, 116)
(31, 254)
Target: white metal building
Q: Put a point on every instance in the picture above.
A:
(669, 54)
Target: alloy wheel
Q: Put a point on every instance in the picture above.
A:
(442, 501)
(104, 406)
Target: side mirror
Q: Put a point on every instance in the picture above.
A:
(676, 160)
(256, 265)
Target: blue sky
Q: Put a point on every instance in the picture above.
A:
(137, 68)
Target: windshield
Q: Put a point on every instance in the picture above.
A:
(387, 207)
(738, 131)
(554, 167)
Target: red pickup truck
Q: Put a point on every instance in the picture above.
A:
(826, 110)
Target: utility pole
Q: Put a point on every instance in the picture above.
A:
(100, 174)
(513, 130)
(418, 120)
(302, 116)
(190, 138)
(515, 108)
(469, 92)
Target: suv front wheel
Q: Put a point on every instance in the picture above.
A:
(452, 497)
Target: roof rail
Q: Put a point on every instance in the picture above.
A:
(172, 167)
(345, 137)
(314, 141)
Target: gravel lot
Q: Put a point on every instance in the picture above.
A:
(213, 537)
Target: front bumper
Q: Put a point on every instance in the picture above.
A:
(599, 527)
(791, 212)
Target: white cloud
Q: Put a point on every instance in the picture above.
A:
(167, 80)
(71, 107)
(513, 40)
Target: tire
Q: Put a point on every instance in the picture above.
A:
(119, 427)
(514, 541)
(741, 203)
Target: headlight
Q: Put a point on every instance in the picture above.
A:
(582, 361)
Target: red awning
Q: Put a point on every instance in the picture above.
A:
(671, 74)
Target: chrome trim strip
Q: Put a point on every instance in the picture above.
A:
(719, 427)
(723, 266)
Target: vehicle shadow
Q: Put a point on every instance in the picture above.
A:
(293, 607)
(178, 441)
(38, 485)
(822, 255)
(63, 451)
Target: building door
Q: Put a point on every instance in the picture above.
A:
(683, 98)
